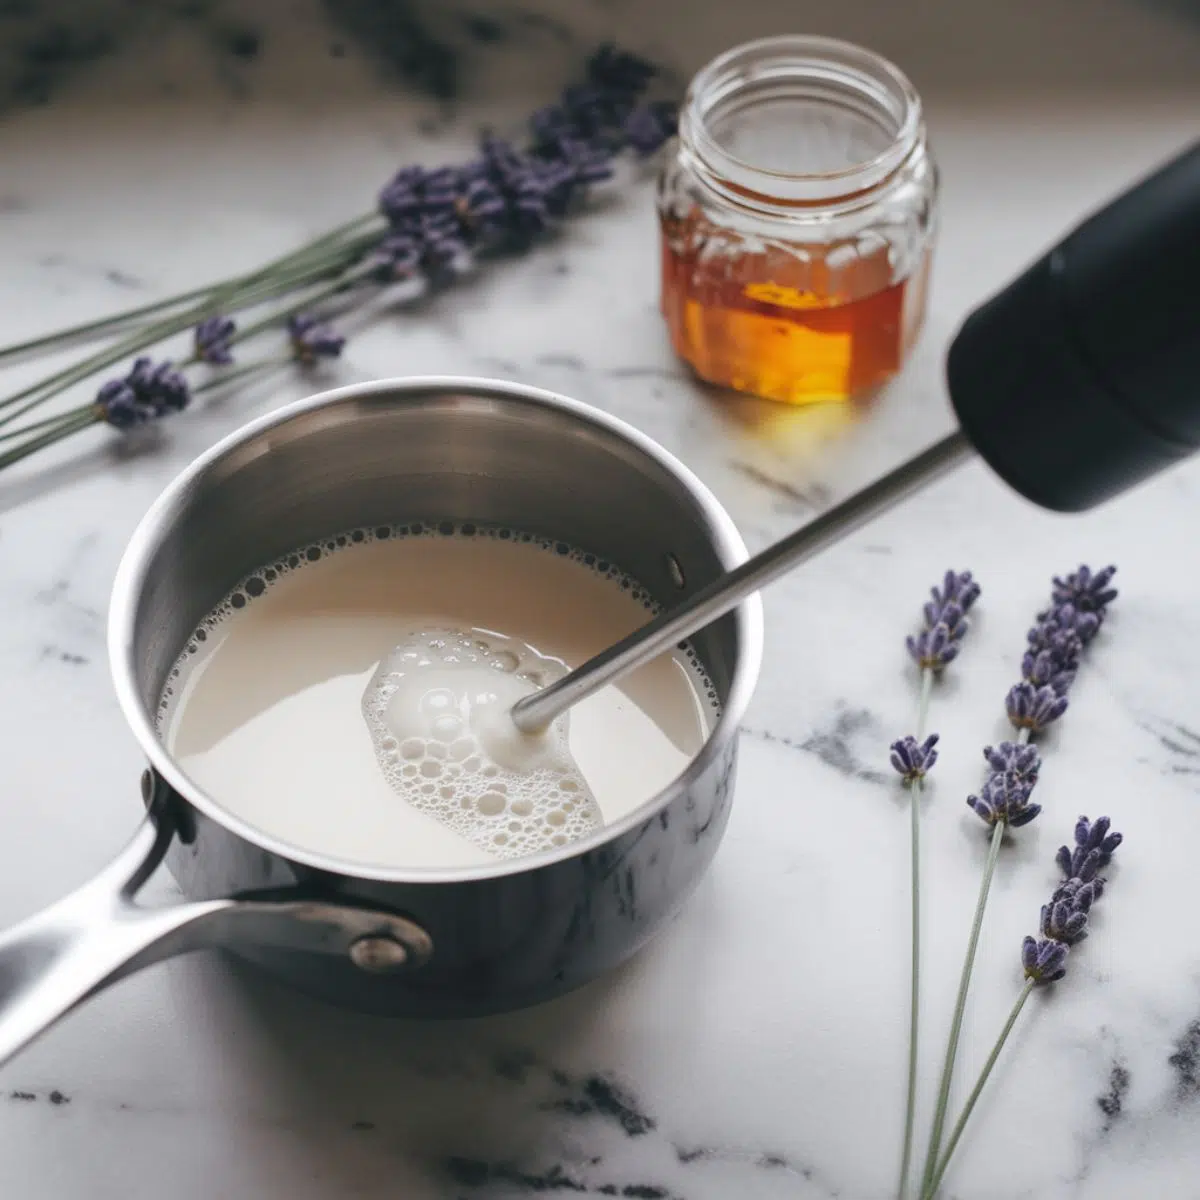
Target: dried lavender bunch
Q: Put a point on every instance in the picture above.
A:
(430, 225)
(1063, 925)
(1055, 646)
(933, 649)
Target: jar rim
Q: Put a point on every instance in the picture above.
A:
(873, 79)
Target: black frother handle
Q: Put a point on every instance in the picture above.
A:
(1082, 377)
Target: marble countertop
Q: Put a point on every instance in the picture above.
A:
(756, 1049)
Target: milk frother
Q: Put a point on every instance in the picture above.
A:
(1077, 381)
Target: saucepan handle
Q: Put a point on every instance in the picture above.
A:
(97, 935)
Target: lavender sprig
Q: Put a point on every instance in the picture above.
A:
(313, 338)
(933, 649)
(430, 225)
(937, 645)
(213, 340)
(1055, 646)
(1063, 925)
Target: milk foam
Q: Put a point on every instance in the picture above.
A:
(438, 712)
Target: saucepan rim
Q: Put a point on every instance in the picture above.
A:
(131, 576)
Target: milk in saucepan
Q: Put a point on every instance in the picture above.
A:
(345, 699)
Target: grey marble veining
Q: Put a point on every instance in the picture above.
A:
(756, 1049)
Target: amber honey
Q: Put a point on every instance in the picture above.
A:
(784, 323)
(798, 211)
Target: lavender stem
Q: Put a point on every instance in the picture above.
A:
(52, 385)
(41, 425)
(960, 1005)
(88, 415)
(99, 324)
(239, 372)
(914, 809)
(969, 1107)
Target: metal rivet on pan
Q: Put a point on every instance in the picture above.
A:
(378, 954)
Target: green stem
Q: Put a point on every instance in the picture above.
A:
(239, 372)
(47, 389)
(969, 1107)
(43, 424)
(914, 809)
(88, 415)
(51, 386)
(102, 324)
(960, 1005)
(61, 425)
(347, 279)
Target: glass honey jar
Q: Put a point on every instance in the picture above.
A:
(798, 207)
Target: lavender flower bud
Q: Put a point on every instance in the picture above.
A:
(312, 338)
(1081, 894)
(1087, 592)
(1044, 669)
(481, 205)
(397, 257)
(1021, 760)
(933, 648)
(118, 403)
(145, 394)
(649, 126)
(1005, 798)
(1064, 922)
(1094, 848)
(946, 625)
(957, 588)
(1044, 960)
(913, 759)
(168, 391)
(1034, 708)
(400, 199)
(212, 340)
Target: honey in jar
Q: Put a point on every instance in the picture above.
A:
(797, 210)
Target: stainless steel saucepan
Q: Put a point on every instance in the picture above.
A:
(407, 941)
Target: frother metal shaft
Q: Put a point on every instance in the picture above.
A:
(534, 713)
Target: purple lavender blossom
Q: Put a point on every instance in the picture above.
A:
(649, 126)
(213, 338)
(937, 645)
(1020, 759)
(313, 338)
(118, 403)
(1034, 708)
(913, 759)
(1093, 851)
(147, 393)
(1058, 639)
(933, 649)
(397, 257)
(400, 198)
(1044, 959)
(1005, 798)
(1065, 918)
(480, 206)
(507, 197)
(959, 589)
(1088, 592)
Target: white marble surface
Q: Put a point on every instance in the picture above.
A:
(759, 1041)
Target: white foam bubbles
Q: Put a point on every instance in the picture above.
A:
(437, 709)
